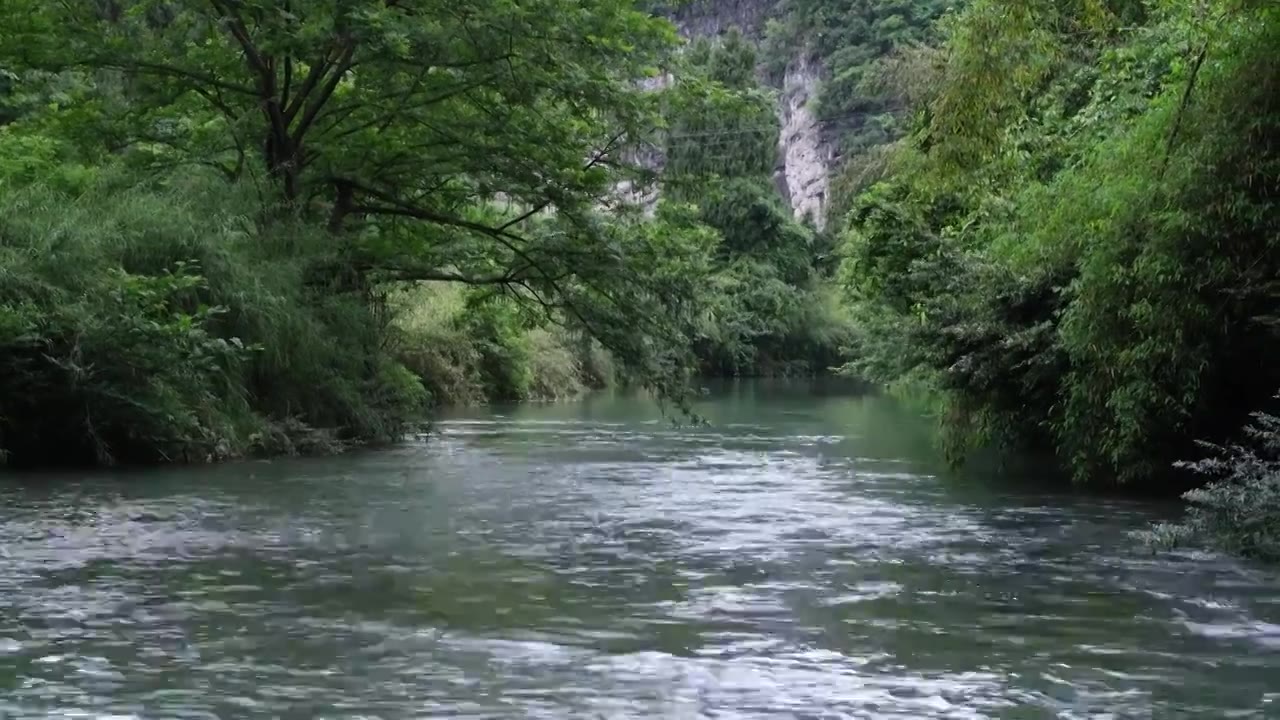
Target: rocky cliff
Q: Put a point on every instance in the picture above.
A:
(699, 18)
(805, 157)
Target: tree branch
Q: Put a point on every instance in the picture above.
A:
(1182, 106)
(287, 83)
(502, 236)
(326, 91)
(316, 72)
(142, 67)
(429, 275)
(215, 99)
(238, 30)
(384, 121)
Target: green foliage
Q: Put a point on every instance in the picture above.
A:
(1078, 244)
(1238, 511)
(721, 121)
(471, 346)
(363, 97)
(129, 376)
(766, 313)
(143, 324)
(496, 331)
(428, 339)
(28, 156)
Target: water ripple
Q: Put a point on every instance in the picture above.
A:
(794, 562)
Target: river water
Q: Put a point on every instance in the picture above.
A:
(804, 556)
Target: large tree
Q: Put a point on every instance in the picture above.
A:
(473, 140)
(391, 100)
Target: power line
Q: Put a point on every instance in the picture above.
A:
(778, 128)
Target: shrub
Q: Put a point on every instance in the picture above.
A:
(136, 327)
(555, 373)
(122, 372)
(429, 341)
(1238, 511)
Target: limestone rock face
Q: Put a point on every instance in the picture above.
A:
(699, 18)
(805, 155)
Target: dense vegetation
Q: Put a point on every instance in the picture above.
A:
(1077, 244)
(154, 324)
(208, 204)
(283, 225)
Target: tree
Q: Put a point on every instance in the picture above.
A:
(373, 103)
(471, 141)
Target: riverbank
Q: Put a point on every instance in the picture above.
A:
(139, 326)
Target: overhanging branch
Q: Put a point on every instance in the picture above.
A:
(427, 275)
(144, 68)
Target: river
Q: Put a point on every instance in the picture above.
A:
(803, 556)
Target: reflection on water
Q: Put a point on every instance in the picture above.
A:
(803, 556)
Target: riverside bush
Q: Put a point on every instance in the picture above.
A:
(157, 323)
(1238, 511)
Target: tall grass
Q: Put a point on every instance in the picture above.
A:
(164, 323)
(160, 323)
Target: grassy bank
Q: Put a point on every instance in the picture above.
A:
(158, 323)
(162, 323)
